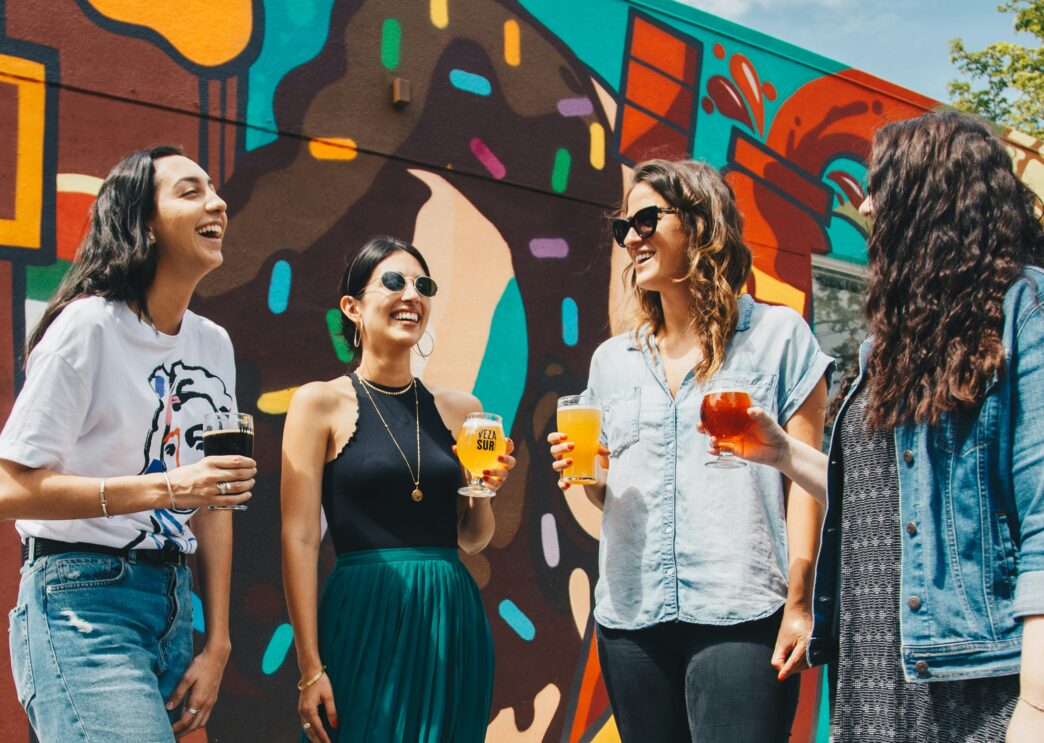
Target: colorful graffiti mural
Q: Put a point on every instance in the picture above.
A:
(521, 122)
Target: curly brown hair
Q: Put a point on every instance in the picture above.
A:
(718, 259)
(952, 229)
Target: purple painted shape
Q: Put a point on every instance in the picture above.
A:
(549, 247)
(489, 161)
(575, 107)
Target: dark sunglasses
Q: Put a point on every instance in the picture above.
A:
(643, 222)
(396, 282)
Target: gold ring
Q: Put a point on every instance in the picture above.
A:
(192, 711)
(306, 726)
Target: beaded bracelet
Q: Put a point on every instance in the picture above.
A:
(302, 685)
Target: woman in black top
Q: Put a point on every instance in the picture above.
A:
(400, 648)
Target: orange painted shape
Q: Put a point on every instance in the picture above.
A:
(204, 32)
(641, 135)
(770, 167)
(333, 148)
(592, 700)
(72, 216)
(663, 51)
(22, 230)
(659, 94)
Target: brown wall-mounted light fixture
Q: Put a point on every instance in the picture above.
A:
(400, 92)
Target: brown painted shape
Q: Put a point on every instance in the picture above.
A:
(8, 149)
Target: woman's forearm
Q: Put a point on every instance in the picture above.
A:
(476, 525)
(213, 530)
(300, 581)
(1031, 677)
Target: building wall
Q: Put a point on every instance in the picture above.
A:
(523, 120)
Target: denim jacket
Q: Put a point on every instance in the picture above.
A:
(971, 499)
(681, 541)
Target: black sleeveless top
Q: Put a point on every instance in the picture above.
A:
(367, 487)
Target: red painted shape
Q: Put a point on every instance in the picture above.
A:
(642, 137)
(659, 94)
(72, 216)
(592, 700)
(664, 51)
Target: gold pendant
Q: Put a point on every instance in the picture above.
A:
(417, 495)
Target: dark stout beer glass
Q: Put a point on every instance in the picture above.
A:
(228, 434)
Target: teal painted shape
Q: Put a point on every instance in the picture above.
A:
(42, 281)
(295, 32)
(198, 624)
(278, 646)
(340, 345)
(502, 374)
(470, 82)
(823, 723)
(516, 619)
(279, 287)
(391, 35)
(570, 322)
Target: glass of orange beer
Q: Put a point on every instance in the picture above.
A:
(580, 419)
(480, 445)
(723, 413)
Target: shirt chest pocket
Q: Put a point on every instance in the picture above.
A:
(621, 415)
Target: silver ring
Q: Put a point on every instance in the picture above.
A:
(306, 726)
(192, 711)
(223, 487)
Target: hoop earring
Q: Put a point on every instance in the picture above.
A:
(430, 350)
(356, 341)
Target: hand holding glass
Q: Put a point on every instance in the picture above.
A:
(480, 445)
(580, 419)
(228, 434)
(724, 416)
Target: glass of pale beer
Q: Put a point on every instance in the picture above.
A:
(723, 413)
(227, 433)
(480, 445)
(580, 419)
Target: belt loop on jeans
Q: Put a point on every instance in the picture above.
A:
(30, 544)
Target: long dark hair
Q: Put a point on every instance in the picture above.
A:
(115, 259)
(953, 228)
(358, 272)
(718, 259)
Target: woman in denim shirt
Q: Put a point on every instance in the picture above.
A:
(930, 583)
(703, 598)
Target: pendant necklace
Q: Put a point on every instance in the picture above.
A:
(416, 495)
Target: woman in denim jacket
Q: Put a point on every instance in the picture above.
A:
(702, 605)
(929, 590)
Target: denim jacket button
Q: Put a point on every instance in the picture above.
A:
(908, 456)
(911, 528)
(914, 603)
(921, 667)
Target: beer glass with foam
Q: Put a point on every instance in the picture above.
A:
(228, 433)
(580, 419)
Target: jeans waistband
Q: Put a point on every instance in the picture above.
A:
(35, 547)
(397, 554)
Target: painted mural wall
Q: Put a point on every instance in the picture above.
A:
(522, 121)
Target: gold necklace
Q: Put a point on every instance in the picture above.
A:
(416, 495)
(375, 388)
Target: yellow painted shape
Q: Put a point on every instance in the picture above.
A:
(580, 599)
(609, 732)
(504, 729)
(440, 14)
(460, 243)
(78, 183)
(597, 146)
(607, 101)
(23, 230)
(205, 32)
(512, 43)
(276, 402)
(771, 289)
(333, 148)
(584, 511)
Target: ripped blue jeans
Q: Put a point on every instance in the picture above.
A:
(98, 643)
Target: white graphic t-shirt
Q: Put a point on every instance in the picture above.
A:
(107, 395)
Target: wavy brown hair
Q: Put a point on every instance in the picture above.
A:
(718, 259)
(953, 228)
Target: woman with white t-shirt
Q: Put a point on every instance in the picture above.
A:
(101, 463)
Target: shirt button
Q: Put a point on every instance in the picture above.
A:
(921, 667)
(911, 528)
(670, 571)
(914, 603)
(668, 529)
(908, 456)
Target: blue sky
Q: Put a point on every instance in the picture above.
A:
(903, 41)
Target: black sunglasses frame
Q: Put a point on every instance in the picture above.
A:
(644, 223)
(394, 281)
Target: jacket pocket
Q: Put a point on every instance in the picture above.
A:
(1006, 557)
(622, 416)
(21, 662)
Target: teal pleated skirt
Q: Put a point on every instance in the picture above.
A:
(407, 646)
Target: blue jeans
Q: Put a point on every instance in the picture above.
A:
(98, 643)
(676, 682)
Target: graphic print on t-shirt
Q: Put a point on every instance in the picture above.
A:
(183, 394)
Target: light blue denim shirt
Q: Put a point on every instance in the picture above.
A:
(971, 501)
(681, 541)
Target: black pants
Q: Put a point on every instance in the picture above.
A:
(694, 682)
